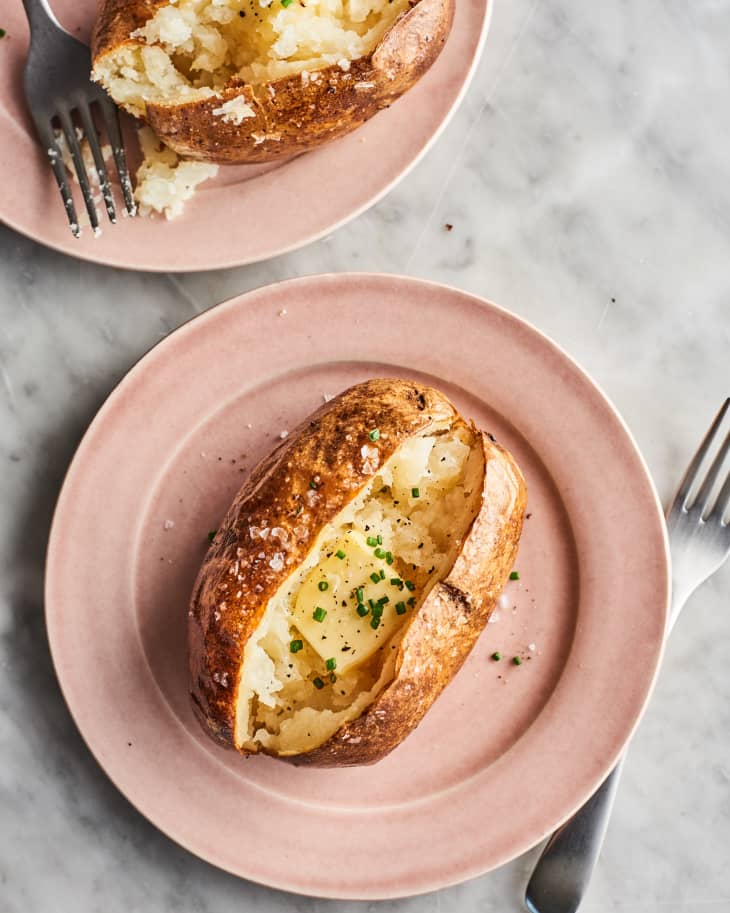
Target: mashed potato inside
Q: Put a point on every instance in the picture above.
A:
(164, 180)
(326, 645)
(190, 49)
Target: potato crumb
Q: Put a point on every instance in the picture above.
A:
(166, 181)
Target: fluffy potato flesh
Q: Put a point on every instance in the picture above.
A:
(189, 49)
(327, 642)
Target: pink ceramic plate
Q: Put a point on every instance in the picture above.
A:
(247, 213)
(507, 752)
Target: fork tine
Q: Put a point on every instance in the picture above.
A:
(722, 504)
(73, 144)
(688, 479)
(55, 158)
(705, 493)
(110, 114)
(93, 137)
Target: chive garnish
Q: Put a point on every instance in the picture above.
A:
(211, 535)
(412, 601)
(374, 435)
(313, 484)
(359, 592)
(371, 541)
(331, 664)
(379, 553)
(375, 622)
(400, 608)
(362, 610)
(372, 603)
(380, 539)
(415, 493)
(515, 575)
(340, 554)
(319, 614)
(383, 600)
(377, 610)
(322, 586)
(496, 656)
(295, 646)
(410, 585)
(375, 577)
(396, 581)
(286, 3)
(389, 557)
(317, 682)
(517, 660)
(333, 677)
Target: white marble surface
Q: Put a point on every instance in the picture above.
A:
(587, 177)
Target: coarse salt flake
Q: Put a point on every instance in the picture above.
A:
(168, 524)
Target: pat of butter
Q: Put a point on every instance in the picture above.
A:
(343, 634)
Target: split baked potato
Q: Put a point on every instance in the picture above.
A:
(351, 577)
(232, 81)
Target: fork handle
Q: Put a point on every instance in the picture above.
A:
(562, 873)
(564, 869)
(40, 15)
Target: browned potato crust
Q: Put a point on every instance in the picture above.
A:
(292, 116)
(438, 636)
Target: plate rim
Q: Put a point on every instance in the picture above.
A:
(471, 869)
(85, 255)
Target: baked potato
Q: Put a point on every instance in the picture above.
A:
(232, 81)
(351, 577)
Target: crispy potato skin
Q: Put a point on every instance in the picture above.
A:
(293, 115)
(327, 449)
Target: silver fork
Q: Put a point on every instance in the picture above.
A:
(699, 542)
(57, 85)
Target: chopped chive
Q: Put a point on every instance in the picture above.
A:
(380, 539)
(360, 594)
(319, 614)
(396, 581)
(371, 541)
(415, 493)
(317, 682)
(362, 610)
(410, 585)
(381, 575)
(517, 660)
(322, 586)
(375, 577)
(331, 664)
(211, 535)
(377, 610)
(383, 600)
(389, 557)
(412, 601)
(333, 677)
(372, 603)
(496, 656)
(515, 575)
(400, 608)
(295, 646)
(313, 484)
(340, 554)
(375, 622)
(374, 435)
(379, 553)
(286, 3)
(3, 33)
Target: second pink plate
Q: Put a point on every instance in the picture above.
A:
(247, 213)
(508, 751)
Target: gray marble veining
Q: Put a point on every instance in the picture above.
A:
(587, 179)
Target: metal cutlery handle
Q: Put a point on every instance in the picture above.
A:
(564, 869)
(39, 14)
